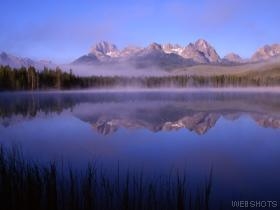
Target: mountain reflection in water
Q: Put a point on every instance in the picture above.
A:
(235, 133)
(155, 111)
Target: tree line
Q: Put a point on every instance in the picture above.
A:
(31, 79)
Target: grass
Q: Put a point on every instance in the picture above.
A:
(30, 186)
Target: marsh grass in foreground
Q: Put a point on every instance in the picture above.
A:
(27, 185)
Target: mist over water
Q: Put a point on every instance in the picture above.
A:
(234, 132)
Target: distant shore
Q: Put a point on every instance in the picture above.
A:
(55, 79)
(171, 89)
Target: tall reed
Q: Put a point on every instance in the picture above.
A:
(28, 185)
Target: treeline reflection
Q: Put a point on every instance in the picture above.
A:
(156, 111)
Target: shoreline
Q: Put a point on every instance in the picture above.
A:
(165, 89)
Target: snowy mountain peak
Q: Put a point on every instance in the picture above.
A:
(170, 48)
(104, 48)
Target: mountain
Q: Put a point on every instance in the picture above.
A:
(191, 52)
(170, 48)
(129, 51)
(89, 59)
(17, 62)
(266, 52)
(232, 58)
(200, 51)
(208, 51)
(151, 56)
(104, 50)
(154, 55)
(165, 56)
(100, 53)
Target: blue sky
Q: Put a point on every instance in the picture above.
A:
(66, 29)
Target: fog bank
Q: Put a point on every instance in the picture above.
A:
(122, 69)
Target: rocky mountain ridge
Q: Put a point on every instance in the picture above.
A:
(266, 52)
(167, 56)
(199, 52)
(17, 62)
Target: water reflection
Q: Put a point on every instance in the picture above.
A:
(155, 132)
(155, 111)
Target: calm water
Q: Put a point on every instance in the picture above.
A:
(235, 134)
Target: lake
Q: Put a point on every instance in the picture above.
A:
(234, 134)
